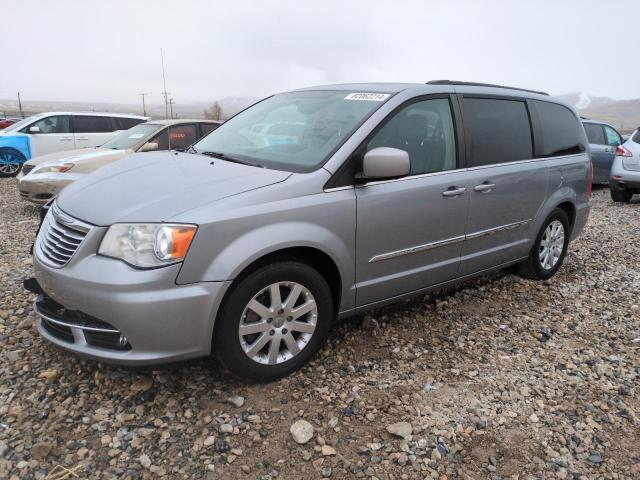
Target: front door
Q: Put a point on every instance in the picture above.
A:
(54, 135)
(601, 153)
(507, 185)
(410, 230)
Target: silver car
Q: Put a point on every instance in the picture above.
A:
(625, 172)
(250, 245)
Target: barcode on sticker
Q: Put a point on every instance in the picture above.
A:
(373, 97)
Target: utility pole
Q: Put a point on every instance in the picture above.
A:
(164, 86)
(144, 108)
(171, 104)
(20, 106)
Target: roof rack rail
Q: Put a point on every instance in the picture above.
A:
(475, 84)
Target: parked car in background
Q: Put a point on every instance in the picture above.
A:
(603, 141)
(7, 122)
(43, 177)
(55, 132)
(251, 250)
(625, 173)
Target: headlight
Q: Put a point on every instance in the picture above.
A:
(148, 245)
(57, 168)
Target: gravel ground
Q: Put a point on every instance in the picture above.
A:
(502, 378)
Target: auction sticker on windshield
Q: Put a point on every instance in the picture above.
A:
(375, 97)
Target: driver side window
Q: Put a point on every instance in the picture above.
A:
(55, 124)
(425, 131)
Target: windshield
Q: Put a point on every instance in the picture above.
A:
(18, 125)
(292, 131)
(132, 137)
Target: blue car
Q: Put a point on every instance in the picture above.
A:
(603, 141)
(56, 132)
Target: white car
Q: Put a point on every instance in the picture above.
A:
(56, 132)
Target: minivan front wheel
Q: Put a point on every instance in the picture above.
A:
(274, 320)
(11, 161)
(550, 247)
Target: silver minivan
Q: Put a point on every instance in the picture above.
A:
(250, 244)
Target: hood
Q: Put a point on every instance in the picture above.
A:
(69, 155)
(154, 187)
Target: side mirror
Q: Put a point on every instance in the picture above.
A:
(34, 129)
(385, 163)
(149, 147)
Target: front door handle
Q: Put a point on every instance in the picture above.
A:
(484, 187)
(453, 192)
(65, 139)
(82, 138)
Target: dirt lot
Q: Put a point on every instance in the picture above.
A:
(504, 378)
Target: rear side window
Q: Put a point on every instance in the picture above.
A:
(126, 123)
(636, 137)
(613, 138)
(92, 124)
(561, 132)
(499, 130)
(595, 134)
(182, 136)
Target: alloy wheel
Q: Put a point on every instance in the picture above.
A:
(278, 323)
(551, 245)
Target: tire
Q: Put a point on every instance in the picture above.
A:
(244, 352)
(11, 161)
(620, 195)
(536, 267)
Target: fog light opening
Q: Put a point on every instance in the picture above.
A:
(122, 341)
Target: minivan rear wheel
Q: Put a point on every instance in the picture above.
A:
(549, 249)
(273, 320)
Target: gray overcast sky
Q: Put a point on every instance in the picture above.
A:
(109, 50)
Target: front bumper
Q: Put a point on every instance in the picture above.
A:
(162, 322)
(41, 187)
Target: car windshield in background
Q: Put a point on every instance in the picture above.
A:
(132, 137)
(294, 131)
(18, 125)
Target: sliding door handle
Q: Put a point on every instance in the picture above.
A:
(453, 192)
(484, 187)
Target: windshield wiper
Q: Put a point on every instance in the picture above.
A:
(224, 156)
(191, 150)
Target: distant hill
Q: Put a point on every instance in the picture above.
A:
(230, 106)
(622, 114)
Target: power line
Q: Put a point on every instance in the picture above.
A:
(164, 86)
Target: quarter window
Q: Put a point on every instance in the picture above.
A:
(92, 124)
(595, 134)
(499, 130)
(613, 138)
(55, 124)
(561, 132)
(123, 123)
(207, 128)
(425, 131)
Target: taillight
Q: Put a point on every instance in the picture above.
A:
(590, 182)
(623, 152)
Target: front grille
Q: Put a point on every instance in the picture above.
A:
(27, 168)
(59, 237)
